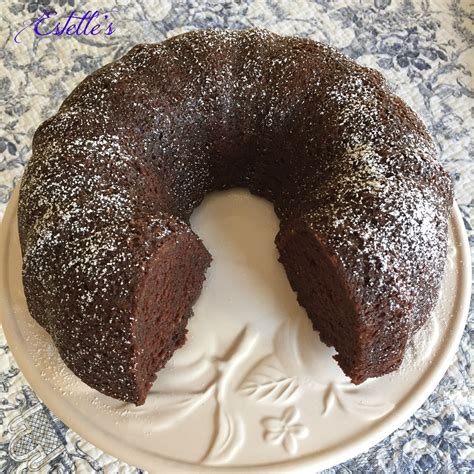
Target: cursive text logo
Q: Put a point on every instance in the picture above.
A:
(90, 23)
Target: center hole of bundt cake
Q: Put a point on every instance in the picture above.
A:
(245, 284)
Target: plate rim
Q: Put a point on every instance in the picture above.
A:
(310, 462)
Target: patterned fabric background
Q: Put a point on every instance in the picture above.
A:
(425, 49)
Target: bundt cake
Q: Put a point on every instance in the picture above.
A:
(110, 265)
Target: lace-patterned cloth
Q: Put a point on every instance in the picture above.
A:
(425, 50)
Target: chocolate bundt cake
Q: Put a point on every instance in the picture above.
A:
(110, 265)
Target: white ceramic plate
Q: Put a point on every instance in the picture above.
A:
(253, 388)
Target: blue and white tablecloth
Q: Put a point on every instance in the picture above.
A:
(426, 50)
